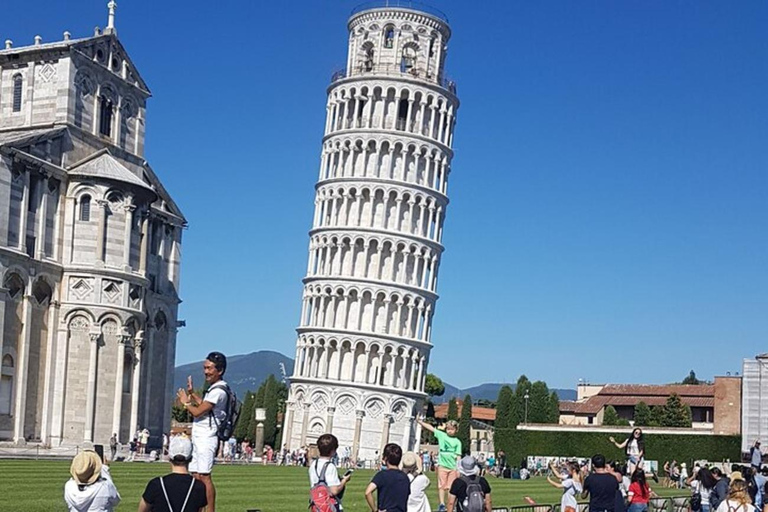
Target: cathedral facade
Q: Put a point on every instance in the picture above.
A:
(90, 247)
(370, 291)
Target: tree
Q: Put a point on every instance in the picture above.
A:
(453, 410)
(522, 387)
(504, 408)
(691, 379)
(675, 413)
(553, 409)
(433, 385)
(246, 413)
(643, 415)
(180, 413)
(657, 416)
(610, 416)
(465, 425)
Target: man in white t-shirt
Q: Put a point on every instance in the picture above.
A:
(208, 412)
(327, 444)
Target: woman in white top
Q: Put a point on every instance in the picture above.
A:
(570, 484)
(417, 500)
(702, 483)
(634, 448)
(738, 499)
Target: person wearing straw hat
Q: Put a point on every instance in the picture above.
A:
(412, 467)
(91, 488)
(470, 492)
(177, 491)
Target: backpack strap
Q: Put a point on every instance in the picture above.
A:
(321, 475)
(168, 501)
(211, 416)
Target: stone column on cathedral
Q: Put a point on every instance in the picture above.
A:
(138, 345)
(90, 401)
(117, 406)
(329, 419)
(22, 372)
(129, 209)
(304, 423)
(53, 320)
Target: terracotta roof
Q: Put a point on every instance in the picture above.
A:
(478, 413)
(629, 395)
(683, 390)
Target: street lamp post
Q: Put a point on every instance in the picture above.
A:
(527, 396)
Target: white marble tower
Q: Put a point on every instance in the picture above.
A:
(369, 295)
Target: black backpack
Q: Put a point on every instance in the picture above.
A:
(226, 428)
(475, 500)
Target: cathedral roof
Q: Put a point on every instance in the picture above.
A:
(27, 136)
(103, 165)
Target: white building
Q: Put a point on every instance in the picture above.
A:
(90, 246)
(369, 298)
(754, 402)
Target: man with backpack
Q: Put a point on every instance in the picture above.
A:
(214, 416)
(470, 492)
(325, 487)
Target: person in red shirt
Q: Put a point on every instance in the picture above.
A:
(639, 493)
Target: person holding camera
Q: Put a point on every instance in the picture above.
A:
(91, 488)
(177, 491)
(208, 411)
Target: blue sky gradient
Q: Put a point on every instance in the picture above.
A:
(609, 193)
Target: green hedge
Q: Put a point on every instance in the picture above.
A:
(522, 443)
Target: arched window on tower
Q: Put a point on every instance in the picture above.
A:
(85, 208)
(408, 61)
(389, 37)
(17, 85)
(6, 384)
(105, 118)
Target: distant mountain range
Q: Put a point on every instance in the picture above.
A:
(246, 372)
(490, 391)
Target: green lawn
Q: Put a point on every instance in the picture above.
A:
(31, 486)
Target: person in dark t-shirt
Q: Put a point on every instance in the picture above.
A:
(392, 486)
(178, 491)
(601, 486)
(469, 472)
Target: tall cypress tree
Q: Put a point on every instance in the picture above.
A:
(522, 387)
(246, 413)
(271, 407)
(465, 425)
(553, 408)
(453, 410)
(504, 405)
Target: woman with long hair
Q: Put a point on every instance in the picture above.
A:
(570, 483)
(639, 492)
(634, 448)
(702, 483)
(738, 497)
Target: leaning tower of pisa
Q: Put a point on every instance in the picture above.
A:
(370, 291)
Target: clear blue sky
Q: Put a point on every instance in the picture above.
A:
(609, 198)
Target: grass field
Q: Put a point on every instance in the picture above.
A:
(32, 486)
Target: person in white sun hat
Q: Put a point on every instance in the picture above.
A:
(177, 491)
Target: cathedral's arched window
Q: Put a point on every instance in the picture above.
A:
(17, 84)
(389, 37)
(105, 120)
(15, 285)
(6, 384)
(85, 208)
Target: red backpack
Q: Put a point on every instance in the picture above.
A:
(321, 499)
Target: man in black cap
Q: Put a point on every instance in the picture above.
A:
(208, 411)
